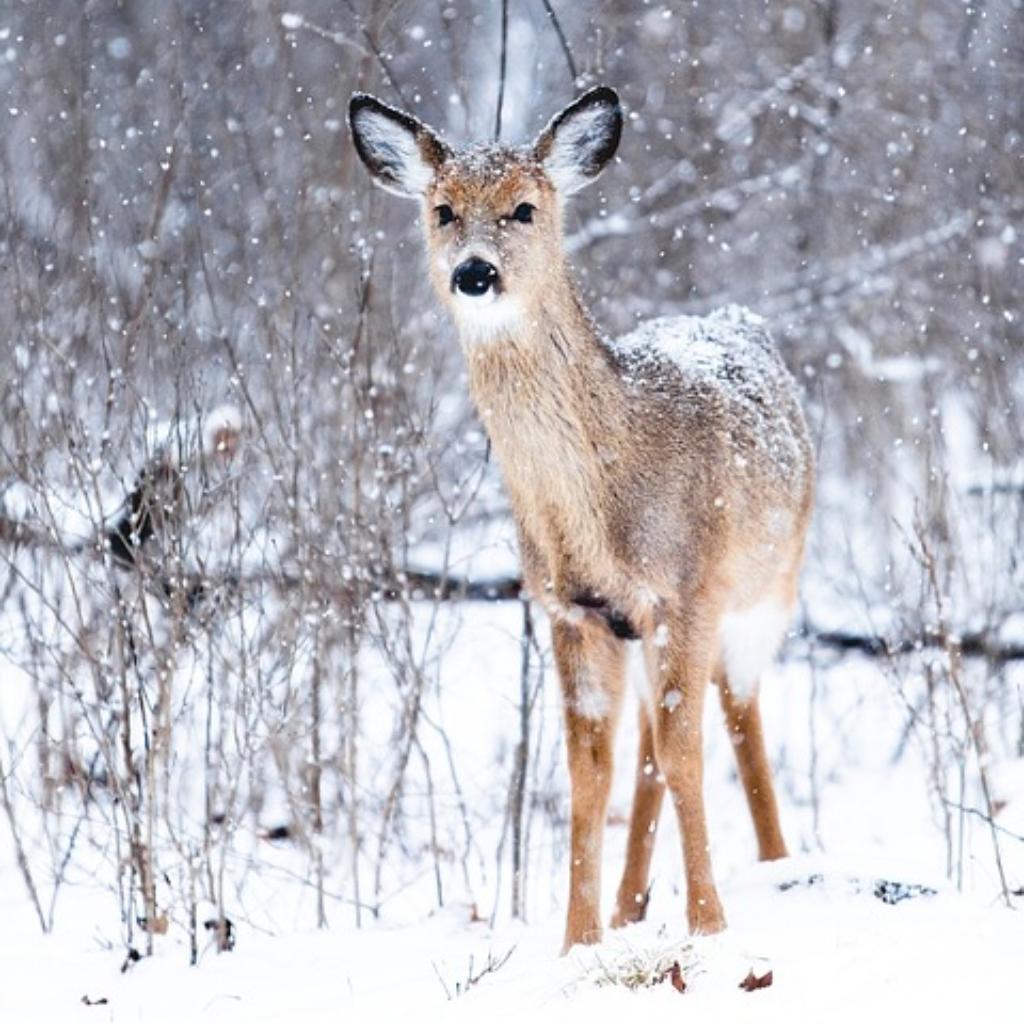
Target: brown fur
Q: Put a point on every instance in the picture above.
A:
(651, 492)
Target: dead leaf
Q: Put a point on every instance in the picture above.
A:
(752, 982)
(674, 974)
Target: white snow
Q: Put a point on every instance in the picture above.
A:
(699, 345)
(837, 951)
(836, 954)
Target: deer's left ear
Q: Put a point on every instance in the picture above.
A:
(575, 146)
(401, 153)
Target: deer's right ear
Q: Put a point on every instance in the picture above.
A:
(401, 153)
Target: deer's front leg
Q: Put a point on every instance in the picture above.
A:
(683, 670)
(590, 662)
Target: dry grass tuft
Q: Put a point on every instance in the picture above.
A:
(637, 967)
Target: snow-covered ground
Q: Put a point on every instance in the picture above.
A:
(837, 951)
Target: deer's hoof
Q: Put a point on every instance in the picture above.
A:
(706, 916)
(581, 937)
(629, 911)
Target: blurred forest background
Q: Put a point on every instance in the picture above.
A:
(243, 495)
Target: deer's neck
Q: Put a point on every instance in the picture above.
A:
(554, 408)
(541, 377)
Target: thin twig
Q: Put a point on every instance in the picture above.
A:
(951, 646)
(19, 850)
(293, 22)
(557, 25)
(520, 764)
(953, 805)
(503, 67)
(491, 965)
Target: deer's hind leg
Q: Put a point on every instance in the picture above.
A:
(591, 667)
(683, 667)
(743, 723)
(631, 902)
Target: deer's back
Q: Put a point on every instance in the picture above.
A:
(720, 437)
(720, 379)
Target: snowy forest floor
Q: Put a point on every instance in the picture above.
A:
(856, 816)
(836, 953)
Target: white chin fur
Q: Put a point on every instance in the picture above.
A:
(488, 317)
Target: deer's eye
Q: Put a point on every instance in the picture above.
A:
(523, 213)
(445, 214)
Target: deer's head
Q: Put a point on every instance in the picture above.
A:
(492, 214)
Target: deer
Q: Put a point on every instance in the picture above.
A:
(661, 484)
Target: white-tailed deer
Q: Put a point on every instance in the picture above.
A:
(661, 483)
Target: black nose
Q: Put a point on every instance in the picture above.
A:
(474, 277)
